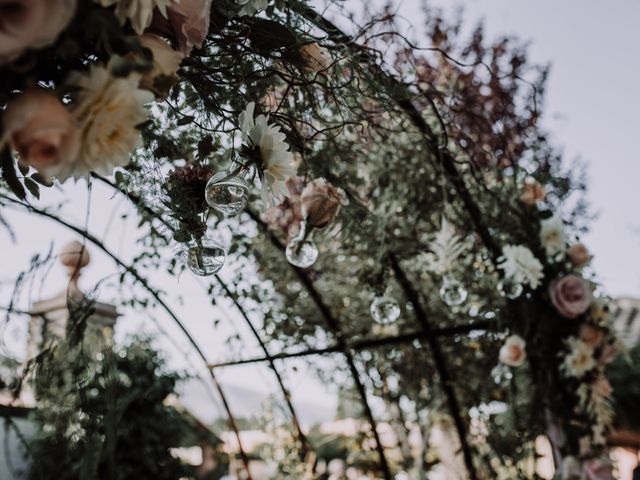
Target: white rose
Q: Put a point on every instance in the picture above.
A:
(552, 235)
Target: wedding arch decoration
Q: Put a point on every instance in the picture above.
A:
(393, 204)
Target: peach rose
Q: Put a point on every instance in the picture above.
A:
(571, 295)
(590, 335)
(315, 57)
(532, 192)
(579, 255)
(42, 131)
(320, 203)
(166, 62)
(187, 22)
(513, 353)
(34, 24)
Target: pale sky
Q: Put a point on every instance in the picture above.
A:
(592, 103)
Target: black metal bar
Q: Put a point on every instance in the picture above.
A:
(440, 362)
(363, 344)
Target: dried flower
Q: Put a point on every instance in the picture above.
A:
(521, 266)
(446, 247)
(315, 58)
(579, 255)
(571, 295)
(320, 203)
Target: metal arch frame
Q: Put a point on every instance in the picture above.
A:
(143, 282)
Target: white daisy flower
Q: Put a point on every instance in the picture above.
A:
(553, 236)
(521, 266)
(277, 160)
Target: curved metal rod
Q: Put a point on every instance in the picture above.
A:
(334, 326)
(156, 296)
(271, 360)
(285, 392)
(364, 344)
(440, 362)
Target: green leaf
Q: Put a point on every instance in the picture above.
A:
(36, 177)
(205, 147)
(267, 35)
(32, 186)
(9, 174)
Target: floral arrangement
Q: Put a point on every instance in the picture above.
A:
(444, 193)
(584, 341)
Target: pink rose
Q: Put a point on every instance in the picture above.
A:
(166, 62)
(571, 295)
(320, 203)
(188, 23)
(579, 255)
(597, 469)
(513, 353)
(34, 24)
(42, 131)
(590, 335)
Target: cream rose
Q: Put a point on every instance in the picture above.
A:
(41, 130)
(109, 110)
(571, 295)
(513, 353)
(315, 57)
(579, 255)
(320, 203)
(166, 62)
(26, 24)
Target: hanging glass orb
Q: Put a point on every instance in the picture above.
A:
(301, 251)
(206, 258)
(227, 192)
(452, 291)
(384, 310)
(510, 289)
